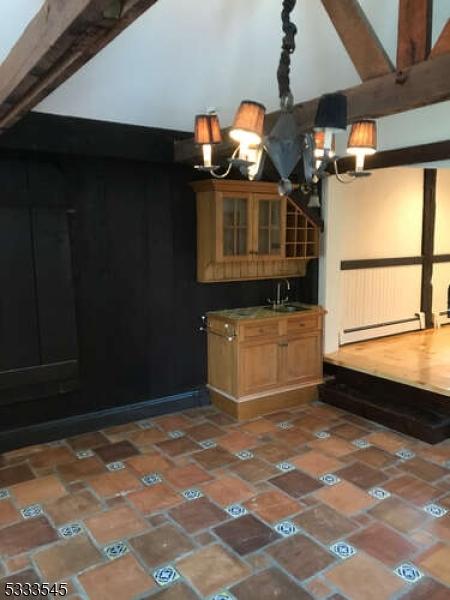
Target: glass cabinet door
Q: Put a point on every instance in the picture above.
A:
(269, 217)
(235, 226)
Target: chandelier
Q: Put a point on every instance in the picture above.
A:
(286, 144)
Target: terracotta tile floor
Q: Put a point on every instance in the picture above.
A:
(195, 500)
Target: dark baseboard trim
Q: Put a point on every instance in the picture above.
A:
(61, 428)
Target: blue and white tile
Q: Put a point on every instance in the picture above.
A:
(286, 528)
(165, 575)
(223, 596)
(192, 494)
(116, 550)
(343, 550)
(379, 493)
(176, 434)
(435, 510)
(4, 493)
(236, 510)
(29, 512)
(84, 453)
(322, 435)
(405, 454)
(118, 465)
(151, 479)
(285, 467)
(145, 425)
(330, 479)
(361, 443)
(244, 455)
(208, 444)
(408, 572)
(71, 530)
(285, 425)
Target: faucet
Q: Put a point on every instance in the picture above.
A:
(279, 302)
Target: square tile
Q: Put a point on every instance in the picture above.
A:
(300, 556)
(253, 470)
(116, 550)
(286, 528)
(37, 491)
(375, 457)
(427, 589)
(274, 452)
(362, 475)
(16, 474)
(272, 506)
(228, 490)
(153, 462)
(388, 441)
(296, 484)
(270, 584)
(423, 469)
(179, 446)
(399, 515)
(115, 524)
(384, 544)
(333, 446)
(25, 536)
(362, 578)
(72, 507)
(166, 575)
(175, 421)
(408, 572)
(51, 457)
(8, 513)
(187, 476)
(214, 458)
(212, 568)
(197, 515)
(204, 431)
(325, 524)
(113, 484)
(348, 431)
(436, 561)
(316, 463)
(87, 440)
(345, 498)
(81, 469)
(155, 498)
(116, 452)
(413, 490)
(123, 578)
(246, 534)
(259, 426)
(343, 550)
(161, 545)
(61, 560)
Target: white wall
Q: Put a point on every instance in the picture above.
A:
(441, 271)
(375, 217)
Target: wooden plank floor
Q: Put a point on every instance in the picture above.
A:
(420, 359)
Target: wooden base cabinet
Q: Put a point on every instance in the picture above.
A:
(266, 358)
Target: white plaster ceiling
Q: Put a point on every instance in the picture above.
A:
(183, 56)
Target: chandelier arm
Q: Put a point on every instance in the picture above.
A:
(217, 175)
(288, 47)
(340, 177)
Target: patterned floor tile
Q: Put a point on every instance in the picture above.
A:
(408, 572)
(29, 512)
(286, 528)
(116, 550)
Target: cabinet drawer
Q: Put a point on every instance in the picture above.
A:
(256, 330)
(303, 323)
(220, 327)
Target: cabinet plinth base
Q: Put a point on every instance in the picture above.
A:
(263, 405)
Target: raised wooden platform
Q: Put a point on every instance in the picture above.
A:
(401, 381)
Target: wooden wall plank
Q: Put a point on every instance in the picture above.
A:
(359, 38)
(428, 227)
(414, 32)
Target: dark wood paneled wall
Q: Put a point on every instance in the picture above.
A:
(138, 306)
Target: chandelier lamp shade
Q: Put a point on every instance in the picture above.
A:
(288, 144)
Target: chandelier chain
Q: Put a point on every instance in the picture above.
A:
(288, 47)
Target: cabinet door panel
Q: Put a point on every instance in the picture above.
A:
(303, 358)
(234, 228)
(259, 367)
(268, 226)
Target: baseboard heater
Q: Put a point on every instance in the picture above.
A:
(373, 330)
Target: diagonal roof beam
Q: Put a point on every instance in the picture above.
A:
(443, 42)
(359, 38)
(60, 39)
(415, 20)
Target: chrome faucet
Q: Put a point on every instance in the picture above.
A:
(279, 302)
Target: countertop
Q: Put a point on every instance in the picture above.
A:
(263, 312)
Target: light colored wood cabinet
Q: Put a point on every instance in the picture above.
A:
(245, 231)
(271, 359)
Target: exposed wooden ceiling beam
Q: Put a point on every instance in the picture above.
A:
(359, 38)
(443, 42)
(414, 32)
(61, 38)
(421, 85)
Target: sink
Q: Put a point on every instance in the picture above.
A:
(286, 308)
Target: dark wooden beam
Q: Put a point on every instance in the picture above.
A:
(61, 38)
(359, 38)
(376, 263)
(442, 46)
(421, 85)
(424, 153)
(428, 223)
(414, 32)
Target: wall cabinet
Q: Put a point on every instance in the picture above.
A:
(264, 357)
(245, 230)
